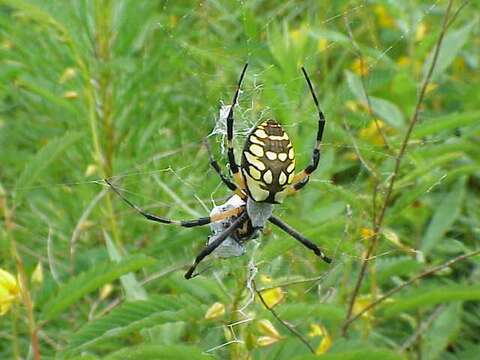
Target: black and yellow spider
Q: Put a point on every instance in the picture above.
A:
(264, 178)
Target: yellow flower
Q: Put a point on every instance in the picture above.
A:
(70, 95)
(295, 34)
(420, 32)
(267, 329)
(105, 291)
(272, 296)
(322, 44)
(359, 67)
(325, 343)
(430, 87)
(9, 291)
(91, 169)
(371, 132)
(351, 105)
(216, 310)
(384, 19)
(366, 233)
(361, 303)
(403, 61)
(266, 340)
(68, 74)
(37, 275)
(265, 279)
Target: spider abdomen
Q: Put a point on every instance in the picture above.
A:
(268, 162)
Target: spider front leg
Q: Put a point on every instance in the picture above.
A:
(184, 223)
(231, 156)
(299, 237)
(301, 179)
(216, 243)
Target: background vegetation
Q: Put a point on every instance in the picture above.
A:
(129, 89)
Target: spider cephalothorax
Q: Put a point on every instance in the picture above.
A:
(268, 162)
(266, 176)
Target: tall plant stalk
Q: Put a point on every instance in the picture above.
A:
(378, 223)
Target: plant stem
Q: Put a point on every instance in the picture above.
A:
(398, 161)
(411, 281)
(294, 331)
(27, 301)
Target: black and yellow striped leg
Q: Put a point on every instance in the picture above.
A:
(297, 236)
(207, 250)
(231, 156)
(184, 223)
(299, 178)
(213, 163)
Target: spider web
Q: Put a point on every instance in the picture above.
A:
(246, 116)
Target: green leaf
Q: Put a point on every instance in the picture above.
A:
(444, 216)
(443, 330)
(387, 111)
(451, 46)
(131, 317)
(86, 282)
(397, 266)
(42, 160)
(370, 354)
(324, 312)
(384, 109)
(156, 352)
(425, 168)
(430, 296)
(133, 289)
(448, 122)
(355, 84)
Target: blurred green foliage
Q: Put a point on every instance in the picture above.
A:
(129, 90)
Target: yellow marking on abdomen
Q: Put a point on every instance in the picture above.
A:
(271, 155)
(291, 154)
(256, 150)
(261, 134)
(254, 161)
(254, 173)
(255, 140)
(268, 177)
(282, 179)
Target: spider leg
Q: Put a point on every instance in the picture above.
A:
(207, 250)
(299, 179)
(299, 237)
(214, 164)
(231, 156)
(184, 223)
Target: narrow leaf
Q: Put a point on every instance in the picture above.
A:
(155, 352)
(86, 282)
(448, 122)
(451, 46)
(130, 317)
(445, 215)
(384, 109)
(362, 354)
(443, 330)
(41, 161)
(432, 296)
(133, 289)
